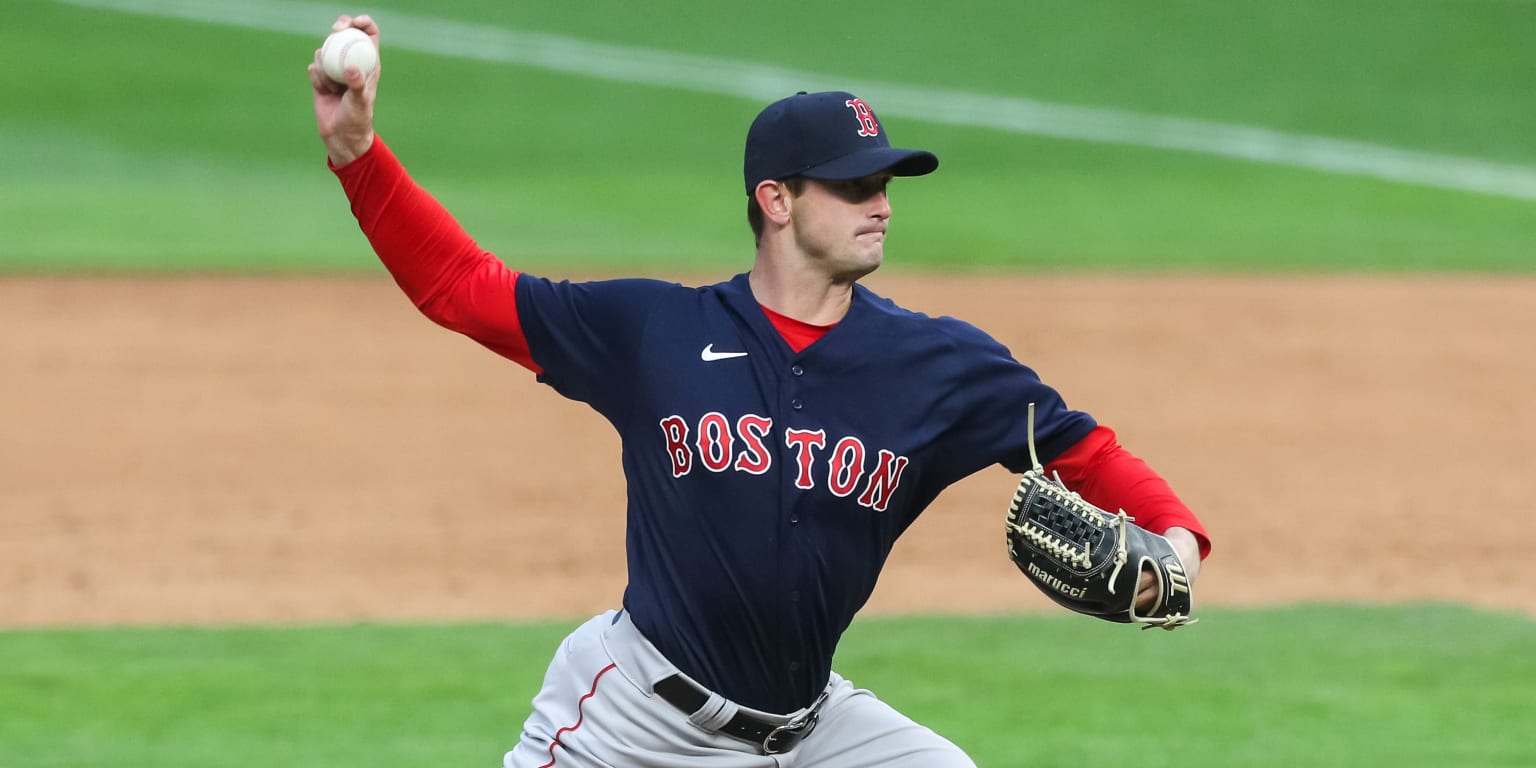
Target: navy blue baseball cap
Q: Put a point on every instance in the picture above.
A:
(828, 135)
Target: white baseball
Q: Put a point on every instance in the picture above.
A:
(350, 47)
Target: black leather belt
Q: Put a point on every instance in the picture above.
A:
(774, 738)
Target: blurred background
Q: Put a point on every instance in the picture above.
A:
(171, 134)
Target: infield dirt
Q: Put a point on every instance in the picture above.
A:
(301, 450)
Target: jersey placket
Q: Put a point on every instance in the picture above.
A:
(792, 548)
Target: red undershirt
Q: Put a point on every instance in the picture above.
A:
(461, 286)
(798, 334)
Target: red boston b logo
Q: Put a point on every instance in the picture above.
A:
(867, 124)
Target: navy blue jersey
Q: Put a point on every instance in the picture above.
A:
(766, 487)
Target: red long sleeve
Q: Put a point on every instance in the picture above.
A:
(451, 279)
(1110, 477)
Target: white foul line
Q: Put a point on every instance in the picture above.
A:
(762, 83)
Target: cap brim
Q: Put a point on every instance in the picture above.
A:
(868, 162)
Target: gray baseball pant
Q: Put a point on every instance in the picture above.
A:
(597, 710)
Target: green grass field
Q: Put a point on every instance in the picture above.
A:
(160, 143)
(1406, 686)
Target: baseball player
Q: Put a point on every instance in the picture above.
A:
(780, 430)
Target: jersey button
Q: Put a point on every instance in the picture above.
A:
(797, 370)
(794, 666)
(796, 404)
(794, 518)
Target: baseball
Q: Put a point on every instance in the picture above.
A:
(348, 48)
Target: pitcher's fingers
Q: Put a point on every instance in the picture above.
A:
(356, 80)
(320, 81)
(367, 25)
(342, 22)
(1146, 589)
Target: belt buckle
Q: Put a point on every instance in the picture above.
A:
(790, 733)
(796, 731)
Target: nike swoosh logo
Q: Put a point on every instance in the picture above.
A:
(710, 355)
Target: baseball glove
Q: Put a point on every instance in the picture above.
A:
(1089, 560)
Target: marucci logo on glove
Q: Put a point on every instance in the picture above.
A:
(1055, 583)
(1178, 578)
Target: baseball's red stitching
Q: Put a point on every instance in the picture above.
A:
(579, 716)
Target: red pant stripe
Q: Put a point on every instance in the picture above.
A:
(579, 717)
